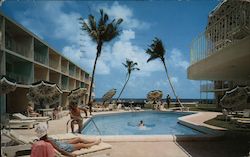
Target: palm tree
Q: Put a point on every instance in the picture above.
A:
(156, 50)
(131, 66)
(100, 33)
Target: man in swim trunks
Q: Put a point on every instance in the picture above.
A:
(64, 147)
(75, 115)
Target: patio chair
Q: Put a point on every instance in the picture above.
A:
(119, 107)
(101, 149)
(16, 124)
(38, 119)
(127, 108)
(137, 108)
(22, 124)
(243, 123)
(21, 147)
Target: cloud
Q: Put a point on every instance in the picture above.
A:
(176, 59)
(116, 10)
(174, 80)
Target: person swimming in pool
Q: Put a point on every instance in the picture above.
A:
(141, 124)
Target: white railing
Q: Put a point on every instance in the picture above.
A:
(207, 87)
(54, 64)
(233, 26)
(40, 58)
(16, 47)
(21, 79)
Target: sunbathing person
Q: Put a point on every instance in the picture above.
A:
(31, 112)
(64, 147)
(75, 115)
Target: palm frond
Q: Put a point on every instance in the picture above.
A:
(125, 65)
(152, 58)
(156, 50)
(92, 22)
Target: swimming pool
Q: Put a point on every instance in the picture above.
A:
(156, 123)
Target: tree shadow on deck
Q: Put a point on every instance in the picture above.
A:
(223, 147)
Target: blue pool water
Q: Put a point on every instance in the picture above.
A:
(156, 123)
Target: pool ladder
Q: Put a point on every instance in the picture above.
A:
(69, 122)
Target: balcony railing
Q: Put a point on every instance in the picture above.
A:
(213, 87)
(54, 64)
(233, 26)
(64, 69)
(40, 58)
(207, 87)
(21, 79)
(64, 86)
(16, 47)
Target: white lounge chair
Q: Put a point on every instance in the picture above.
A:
(137, 108)
(127, 108)
(38, 119)
(18, 124)
(23, 149)
(101, 149)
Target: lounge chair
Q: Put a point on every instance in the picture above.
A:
(38, 119)
(137, 108)
(18, 150)
(127, 108)
(102, 148)
(22, 149)
(244, 123)
(119, 107)
(18, 124)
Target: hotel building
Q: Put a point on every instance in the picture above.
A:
(221, 54)
(26, 58)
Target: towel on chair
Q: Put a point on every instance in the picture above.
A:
(42, 149)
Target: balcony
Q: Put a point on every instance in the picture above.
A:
(17, 40)
(214, 87)
(19, 69)
(19, 78)
(40, 52)
(230, 28)
(40, 58)
(223, 50)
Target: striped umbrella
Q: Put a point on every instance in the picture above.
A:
(6, 85)
(76, 94)
(154, 95)
(108, 95)
(44, 93)
(235, 98)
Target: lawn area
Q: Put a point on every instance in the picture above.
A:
(204, 107)
(233, 129)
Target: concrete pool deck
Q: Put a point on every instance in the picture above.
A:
(161, 147)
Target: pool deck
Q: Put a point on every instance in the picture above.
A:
(158, 146)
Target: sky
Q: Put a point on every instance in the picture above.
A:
(175, 22)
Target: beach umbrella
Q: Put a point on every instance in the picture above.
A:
(154, 95)
(108, 95)
(6, 85)
(234, 98)
(44, 93)
(76, 94)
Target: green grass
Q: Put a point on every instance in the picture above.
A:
(204, 107)
(232, 127)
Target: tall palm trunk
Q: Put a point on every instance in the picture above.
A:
(171, 85)
(123, 88)
(99, 49)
